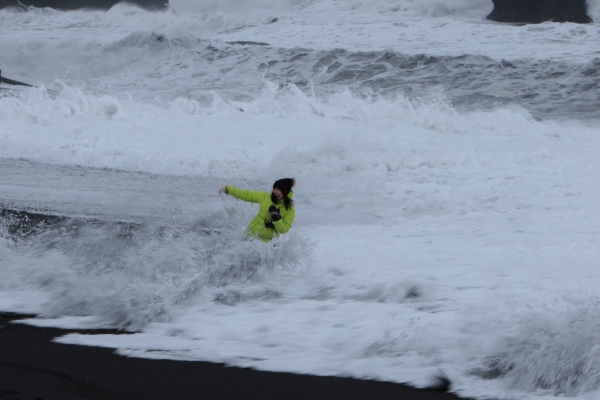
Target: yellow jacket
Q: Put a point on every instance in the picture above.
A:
(257, 226)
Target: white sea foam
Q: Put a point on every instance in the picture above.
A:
(557, 356)
(130, 135)
(430, 8)
(237, 6)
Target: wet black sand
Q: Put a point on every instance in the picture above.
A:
(34, 367)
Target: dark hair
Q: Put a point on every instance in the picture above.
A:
(287, 202)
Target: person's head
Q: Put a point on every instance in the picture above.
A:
(281, 190)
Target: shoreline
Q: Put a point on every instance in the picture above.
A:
(33, 367)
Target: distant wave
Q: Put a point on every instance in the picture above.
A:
(192, 67)
(440, 8)
(238, 6)
(433, 8)
(253, 8)
(424, 7)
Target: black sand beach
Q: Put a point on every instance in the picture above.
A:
(33, 367)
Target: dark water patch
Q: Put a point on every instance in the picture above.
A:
(17, 225)
(232, 298)
(4, 80)
(248, 43)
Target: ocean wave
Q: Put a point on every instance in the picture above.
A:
(67, 141)
(129, 274)
(156, 67)
(333, 145)
(431, 8)
(182, 18)
(238, 6)
(557, 356)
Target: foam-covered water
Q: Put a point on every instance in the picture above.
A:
(172, 60)
(446, 202)
(558, 355)
(129, 274)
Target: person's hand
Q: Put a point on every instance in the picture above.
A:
(269, 224)
(222, 190)
(274, 211)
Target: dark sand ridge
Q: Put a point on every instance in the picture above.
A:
(33, 367)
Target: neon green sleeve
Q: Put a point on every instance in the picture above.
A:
(251, 196)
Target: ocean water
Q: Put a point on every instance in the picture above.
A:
(447, 214)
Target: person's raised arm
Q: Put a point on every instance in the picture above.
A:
(251, 196)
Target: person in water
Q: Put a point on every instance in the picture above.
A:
(276, 213)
